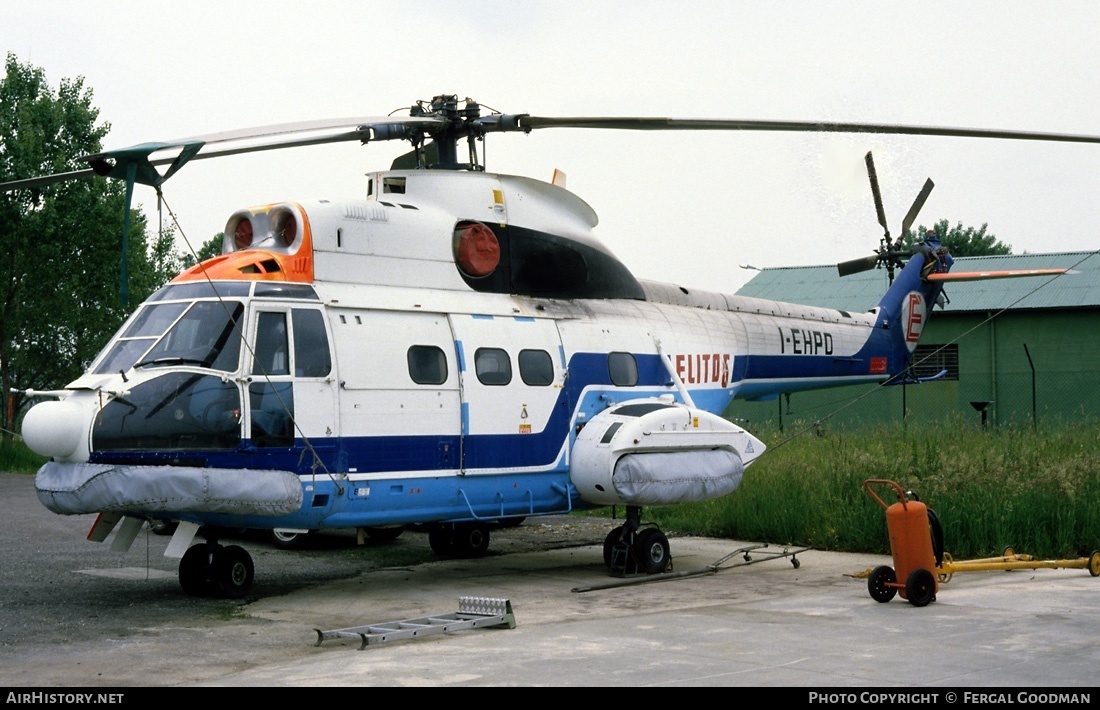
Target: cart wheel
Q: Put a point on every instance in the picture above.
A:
(1009, 551)
(877, 584)
(920, 588)
(1094, 564)
(937, 535)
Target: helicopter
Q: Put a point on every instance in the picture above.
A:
(455, 350)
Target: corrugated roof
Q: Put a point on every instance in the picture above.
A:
(822, 286)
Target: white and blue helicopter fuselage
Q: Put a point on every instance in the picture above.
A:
(456, 347)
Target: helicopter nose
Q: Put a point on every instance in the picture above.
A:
(54, 429)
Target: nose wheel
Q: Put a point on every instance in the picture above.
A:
(211, 570)
(629, 550)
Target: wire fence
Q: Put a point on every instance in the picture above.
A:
(1035, 399)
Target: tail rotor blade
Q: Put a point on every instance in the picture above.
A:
(855, 266)
(875, 191)
(917, 204)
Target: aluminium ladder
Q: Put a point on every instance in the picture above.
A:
(473, 612)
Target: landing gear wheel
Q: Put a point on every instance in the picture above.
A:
(652, 551)
(286, 539)
(195, 571)
(232, 572)
(877, 584)
(614, 539)
(609, 543)
(920, 588)
(1009, 551)
(441, 540)
(471, 540)
(1094, 564)
(386, 534)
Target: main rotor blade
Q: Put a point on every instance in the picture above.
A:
(252, 140)
(713, 124)
(855, 266)
(875, 191)
(283, 129)
(30, 183)
(917, 204)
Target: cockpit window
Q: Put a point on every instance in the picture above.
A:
(202, 289)
(206, 335)
(177, 411)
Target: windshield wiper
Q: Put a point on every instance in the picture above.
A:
(172, 361)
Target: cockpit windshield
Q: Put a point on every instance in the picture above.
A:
(206, 334)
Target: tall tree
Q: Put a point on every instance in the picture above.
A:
(962, 241)
(60, 244)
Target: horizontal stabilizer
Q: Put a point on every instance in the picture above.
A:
(982, 275)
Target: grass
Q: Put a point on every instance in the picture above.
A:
(15, 457)
(1034, 490)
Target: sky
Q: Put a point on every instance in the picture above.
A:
(687, 208)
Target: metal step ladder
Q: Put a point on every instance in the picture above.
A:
(473, 612)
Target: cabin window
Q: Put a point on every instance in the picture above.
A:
(394, 185)
(536, 368)
(623, 369)
(272, 355)
(311, 354)
(427, 365)
(492, 366)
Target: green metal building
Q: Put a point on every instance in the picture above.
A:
(1026, 350)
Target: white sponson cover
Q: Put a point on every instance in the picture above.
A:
(78, 488)
(664, 478)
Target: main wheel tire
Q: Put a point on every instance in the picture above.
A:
(194, 571)
(878, 581)
(286, 539)
(386, 534)
(652, 551)
(232, 572)
(441, 540)
(920, 588)
(471, 540)
(1094, 564)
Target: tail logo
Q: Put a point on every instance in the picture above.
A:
(913, 316)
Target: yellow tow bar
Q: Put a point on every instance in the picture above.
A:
(1010, 560)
